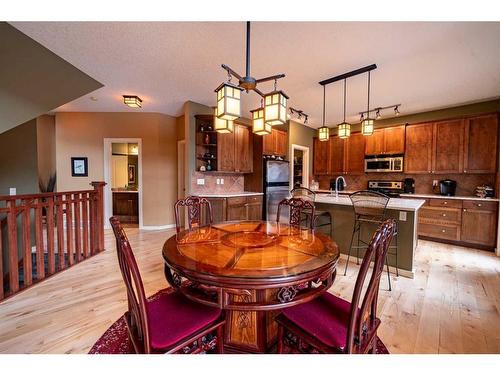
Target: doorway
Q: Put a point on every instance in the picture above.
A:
(123, 177)
(299, 173)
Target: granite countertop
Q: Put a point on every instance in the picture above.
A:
(227, 195)
(394, 203)
(324, 191)
(124, 191)
(438, 196)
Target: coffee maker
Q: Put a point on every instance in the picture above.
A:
(409, 186)
(447, 187)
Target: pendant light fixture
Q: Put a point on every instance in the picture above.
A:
(259, 125)
(221, 125)
(133, 101)
(367, 124)
(344, 129)
(229, 95)
(323, 131)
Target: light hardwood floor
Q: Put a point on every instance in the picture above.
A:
(451, 306)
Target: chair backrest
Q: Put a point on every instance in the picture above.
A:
(193, 205)
(296, 207)
(137, 312)
(369, 203)
(363, 317)
(304, 193)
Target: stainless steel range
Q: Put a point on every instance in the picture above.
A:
(390, 188)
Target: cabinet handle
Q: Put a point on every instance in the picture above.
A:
(445, 202)
(443, 230)
(479, 204)
(465, 210)
(444, 215)
(465, 171)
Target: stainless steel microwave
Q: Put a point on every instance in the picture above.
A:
(384, 164)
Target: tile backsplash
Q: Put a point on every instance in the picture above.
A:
(233, 183)
(466, 183)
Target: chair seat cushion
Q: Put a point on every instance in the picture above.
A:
(173, 318)
(325, 318)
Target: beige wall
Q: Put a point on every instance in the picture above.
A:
(302, 135)
(18, 159)
(46, 150)
(82, 134)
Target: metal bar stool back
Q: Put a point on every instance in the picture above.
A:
(320, 218)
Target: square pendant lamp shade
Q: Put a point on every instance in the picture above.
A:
(344, 130)
(228, 101)
(133, 101)
(324, 133)
(275, 107)
(367, 127)
(259, 125)
(221, 125)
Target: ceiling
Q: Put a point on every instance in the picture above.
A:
(423, 65)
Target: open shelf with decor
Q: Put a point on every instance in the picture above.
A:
(206, 144)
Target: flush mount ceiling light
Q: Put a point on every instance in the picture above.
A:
(324, 131)
(229, 98)
(133, 101)
(344, 129)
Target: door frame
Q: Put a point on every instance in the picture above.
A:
(305, 164)
(108, 197)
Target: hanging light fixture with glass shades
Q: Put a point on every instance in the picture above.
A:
(221, 125)
(133, 101)
(324, 131)
(259, 124)
(229, 98)
(344, 129)
(367, 124)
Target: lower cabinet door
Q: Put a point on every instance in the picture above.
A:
(479, 227)
(254, 211)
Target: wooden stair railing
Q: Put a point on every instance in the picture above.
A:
(64, 228)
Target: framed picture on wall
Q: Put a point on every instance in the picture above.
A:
(79, 167)
(131, 174)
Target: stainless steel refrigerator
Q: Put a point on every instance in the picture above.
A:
(276, 187)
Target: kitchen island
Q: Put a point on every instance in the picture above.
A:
(405, 211)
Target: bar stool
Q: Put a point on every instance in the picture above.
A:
(370, 207)
(309, 195)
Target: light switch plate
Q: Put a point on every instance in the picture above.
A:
(12, 191)
(222, 181)
(218, 181)
(200, 181)
(402, 215)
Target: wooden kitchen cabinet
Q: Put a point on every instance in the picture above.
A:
(126, 207)
(354, 155)
(234, 208)
(447, 147)
(234, 150)
(480, 144)
(254, 208)
(418, 155)
(386, 141)
(275, 143)
(479, 223)
(321, 157)
(337, 155)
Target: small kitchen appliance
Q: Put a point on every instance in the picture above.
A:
(447, 187)
(409, 185)
(390, 188)
(384, 163)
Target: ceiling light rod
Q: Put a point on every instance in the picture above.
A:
(298, 112)
(248, 82)
(348, 74)
(380, 108)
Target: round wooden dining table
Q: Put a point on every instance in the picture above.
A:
(252, 270)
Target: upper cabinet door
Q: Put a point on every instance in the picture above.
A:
(418, 156)
(337, 155)
(268, 143)
(354, 155)
(374, 144)
(225, 152)
(243, 150)
(321, 160)
(281, 142)
(394, 140)
(480, 154)
(448, 147)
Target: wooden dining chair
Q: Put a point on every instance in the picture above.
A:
(329, 324)
(194, 207)
(297, 207)
(309, 195)
(170, 323)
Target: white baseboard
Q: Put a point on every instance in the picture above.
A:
(405, 273)
(157, 227)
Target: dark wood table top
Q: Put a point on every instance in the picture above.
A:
(250, 251)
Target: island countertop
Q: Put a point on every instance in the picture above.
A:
(394, 203)
(227, 195)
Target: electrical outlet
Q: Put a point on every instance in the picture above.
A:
(218, 181)
(434, 182)
(200, 181)
(12, 191)
(222, 181)
(402, 215)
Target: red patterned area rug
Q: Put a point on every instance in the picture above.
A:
(116, 340)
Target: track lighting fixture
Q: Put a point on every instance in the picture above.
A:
(396, 110)
(378, 116)
(378, 111)
(299, 113)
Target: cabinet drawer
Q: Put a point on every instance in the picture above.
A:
(254, 199)
(443, 231)
(480, 205)
(449, 215)
(455, 203)
(236, 201)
